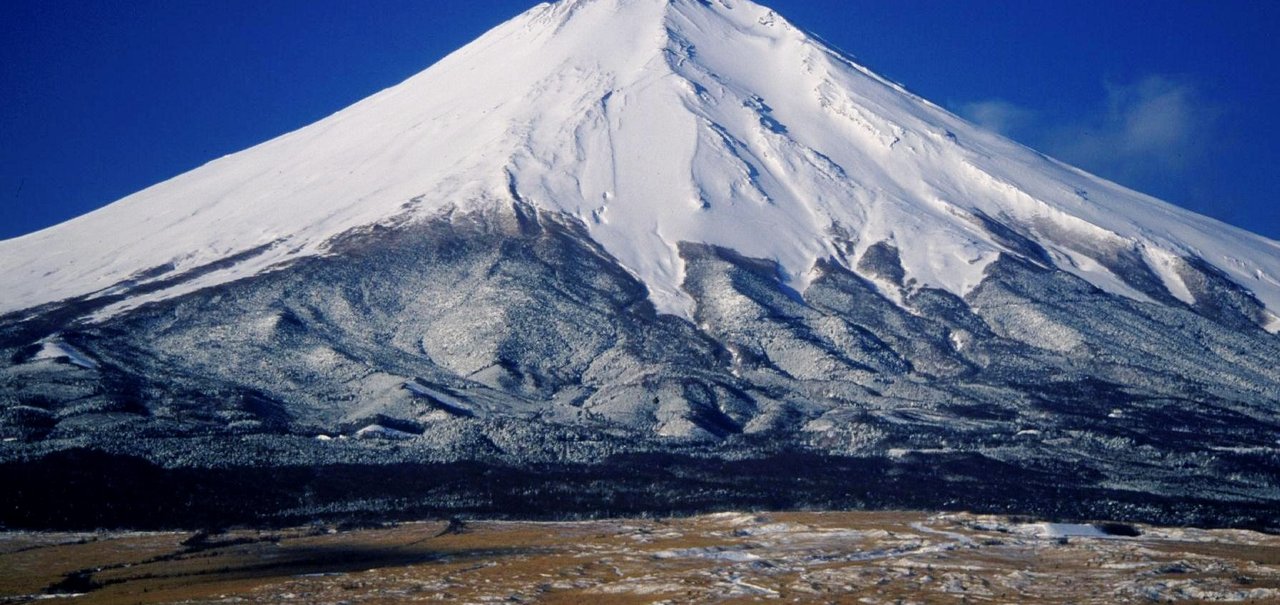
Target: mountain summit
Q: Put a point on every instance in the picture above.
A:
(681, 229)
(653, 122)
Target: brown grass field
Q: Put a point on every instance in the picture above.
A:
(857, 557)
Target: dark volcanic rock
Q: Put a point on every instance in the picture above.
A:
(500, 362)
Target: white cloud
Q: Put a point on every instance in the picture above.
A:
(1155, 125)
(1145, 134)
(1001, 116)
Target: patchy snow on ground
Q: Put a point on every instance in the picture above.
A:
(377, 431)
(56, 349)
(1061, 530)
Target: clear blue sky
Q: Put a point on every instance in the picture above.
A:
(100, 98)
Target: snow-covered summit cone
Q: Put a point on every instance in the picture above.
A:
(654, 122)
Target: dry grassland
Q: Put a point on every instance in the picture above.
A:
(865, 558)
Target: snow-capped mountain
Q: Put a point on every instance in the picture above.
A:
(653, 123)
(646, 225)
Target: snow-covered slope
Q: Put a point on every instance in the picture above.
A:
(655, 122)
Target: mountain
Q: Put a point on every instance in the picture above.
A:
(613, 242)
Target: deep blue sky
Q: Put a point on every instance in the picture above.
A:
(100, 98)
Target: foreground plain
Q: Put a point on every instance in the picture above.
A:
(721, 558)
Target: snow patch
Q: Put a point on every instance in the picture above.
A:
(1273, 323)
(1060, 530)
(377, 431)
(716, 554)
(1165, 265)
(56, 349)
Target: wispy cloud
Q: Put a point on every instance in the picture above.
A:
(1144, 133)
(1155, 126)
(1001, 116)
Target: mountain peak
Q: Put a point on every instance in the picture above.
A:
(457, 268)
(653, 122)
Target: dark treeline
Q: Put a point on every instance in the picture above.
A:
(86, 489)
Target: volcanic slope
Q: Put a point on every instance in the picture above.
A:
(613, 228)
